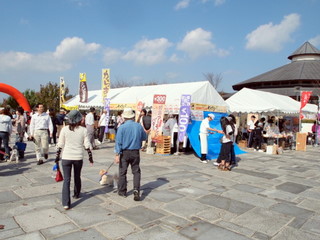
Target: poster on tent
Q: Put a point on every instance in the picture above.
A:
(158, 108)
(139, 108)
(107, 109)
(62, 91)
(105, 83)
(197, 115)
(83, 89)
(184, 116)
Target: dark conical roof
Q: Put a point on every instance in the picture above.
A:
(306, 49)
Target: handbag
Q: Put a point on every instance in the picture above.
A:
(59, 176)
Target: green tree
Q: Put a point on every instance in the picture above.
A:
(31, 96)
(10, 102)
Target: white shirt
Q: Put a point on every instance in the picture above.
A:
(251, 125)
(102, 120)
(89, 119)
(226, 139)
(204, 126)
(73, 143)
(40, 121)
(5, 124)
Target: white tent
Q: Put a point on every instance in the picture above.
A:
(255, 101)
(202, 94)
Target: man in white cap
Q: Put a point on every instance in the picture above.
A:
(128, 144)
(204, 131)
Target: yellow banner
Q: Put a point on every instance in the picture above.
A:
(105, 83)
(209, 108)
(83, 77)
(70, 108)
(62, 91)
(121, 106)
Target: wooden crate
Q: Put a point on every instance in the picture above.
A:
(301, 142)
(163, 145)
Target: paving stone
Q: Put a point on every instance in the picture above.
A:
(292, 210)
(88, 216)
(9, 223)
(279, 195)
(213, 214)
(28, 236)
(174, 223)
(236, 228)
(294, 234)
(52, 232)
(228, 204)
(256, 174)
(297, 222)
(140, 215)
(165, 196)
(260, 236)
(185, 207)
(6, 234)
(204, 230)
(311, 194)
(191, 191)
(116, 229)
(83, 234)
(262, 220)
(39, 190)
(249, 198)
(247, 188)
(157, 233)
(311, 204)
(312, 225)
(292, 187)
(41, 219)
(8, 196)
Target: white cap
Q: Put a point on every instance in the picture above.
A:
(211, 115)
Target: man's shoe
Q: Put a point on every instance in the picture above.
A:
(46, 156)
(122, 194)
(40, 162)
(136, 195)
(66, 207)
(216, 163)
(75, 197)
(203, 161)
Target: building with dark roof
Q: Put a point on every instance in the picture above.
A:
(302, 74)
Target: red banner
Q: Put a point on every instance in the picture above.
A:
(305, 96)
(157, 116)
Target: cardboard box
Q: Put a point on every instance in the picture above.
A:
(242, 143)
(301, 142)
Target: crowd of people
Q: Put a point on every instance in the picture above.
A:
(73, 133)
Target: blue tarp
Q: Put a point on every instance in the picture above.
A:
(214, 144)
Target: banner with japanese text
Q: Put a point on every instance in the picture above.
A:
(105, 86)
(184, 116)
(158, 108)
(107, 109)
(62, 91)
(305, 96)
(139, 108)
(83, 89)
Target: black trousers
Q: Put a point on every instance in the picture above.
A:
(67, 167)
(101, 133)
(132, 158)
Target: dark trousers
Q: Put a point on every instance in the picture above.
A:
(101, 132)
(232, 155)
(54, 136)
(4, 138)
(66, 167)
(132, 158)
(250, 139)
(257, 142)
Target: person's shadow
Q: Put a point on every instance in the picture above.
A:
(148, 187)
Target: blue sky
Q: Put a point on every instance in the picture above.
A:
(141, 41)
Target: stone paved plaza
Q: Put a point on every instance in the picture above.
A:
(264, 197)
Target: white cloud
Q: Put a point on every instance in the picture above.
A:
(67, 52)
(182, 4)
(315, 41)
(198, 43)
(148, 52)
(111, 55)
(270, 37)
(174, 58)
(172, 75)
(219, 2)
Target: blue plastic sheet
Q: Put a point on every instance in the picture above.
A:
(214, 144)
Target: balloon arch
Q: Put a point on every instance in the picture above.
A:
(17, 95)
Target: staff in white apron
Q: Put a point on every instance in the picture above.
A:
(204, 127)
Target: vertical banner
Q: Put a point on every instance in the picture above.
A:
(184, 116)
(105, 83)
(139, 108)
(305, 96)
(158, 108)
(62, 91)
(83, 89)
(107, 108)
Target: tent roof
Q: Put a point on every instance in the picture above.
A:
(201, 92)
(253, 101)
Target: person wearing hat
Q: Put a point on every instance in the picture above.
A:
(203, 134)
(128, 144)
(72, 141)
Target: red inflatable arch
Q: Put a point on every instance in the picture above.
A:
(17, 95)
